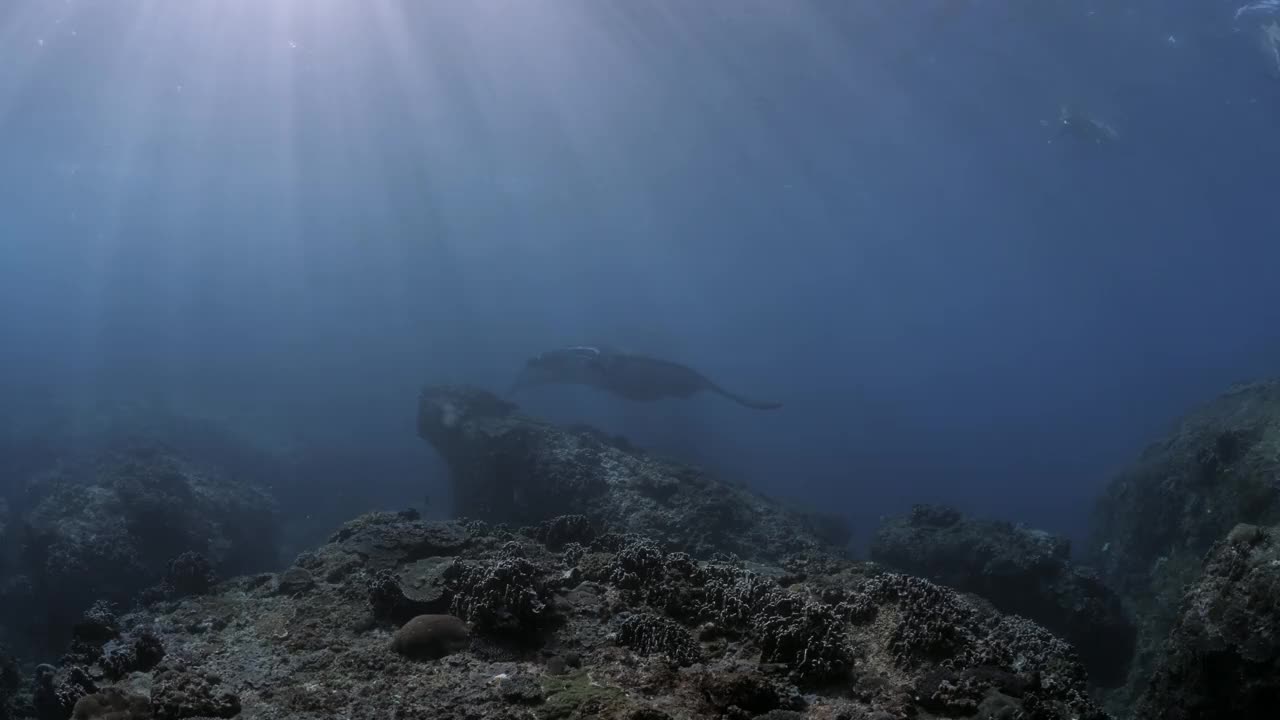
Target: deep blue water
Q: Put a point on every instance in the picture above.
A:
(286, 216)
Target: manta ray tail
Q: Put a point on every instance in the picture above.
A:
(745, 402)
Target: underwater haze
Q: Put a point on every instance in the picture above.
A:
(284, 217)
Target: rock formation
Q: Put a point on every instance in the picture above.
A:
(512, 469)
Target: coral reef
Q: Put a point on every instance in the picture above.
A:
(1020, 571)
(616, 628)
(1222, 658)
(513, 469)
(382, 540)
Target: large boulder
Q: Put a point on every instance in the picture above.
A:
(1222, 659)
(109, 528)
(512, 469)
(1020, 571)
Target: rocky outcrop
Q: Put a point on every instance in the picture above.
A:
(1020, 571)
(1222, 659)
(512, 469)
(1157, 519)
(114, 526)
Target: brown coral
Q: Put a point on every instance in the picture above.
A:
(431, 637)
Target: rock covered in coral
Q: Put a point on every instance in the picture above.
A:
(401, 561)
(1021, 571)
(509, 468)
(1222, 659)
(383, 540)
(1218, 466)
(110, 528)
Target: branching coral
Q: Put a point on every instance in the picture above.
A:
(502, 597)
(661, 636)
(805, 635)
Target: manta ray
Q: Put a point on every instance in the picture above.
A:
(634, 377)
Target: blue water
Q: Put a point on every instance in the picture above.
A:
(287, 215)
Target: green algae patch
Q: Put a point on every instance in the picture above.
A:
(569, 697)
